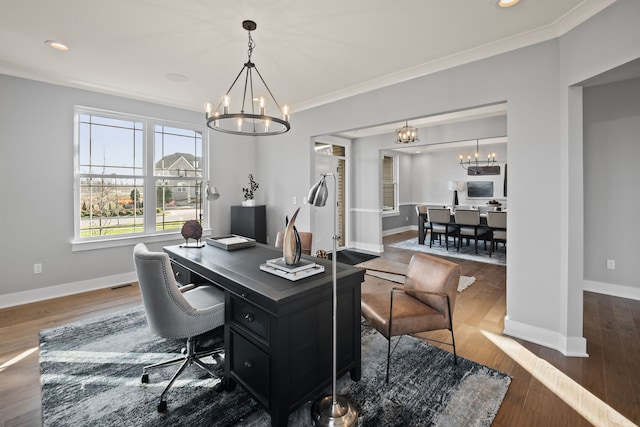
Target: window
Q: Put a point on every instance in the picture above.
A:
(135, 175)
(389, 184)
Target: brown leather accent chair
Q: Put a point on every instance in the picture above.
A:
(424, 303)
(306, 238)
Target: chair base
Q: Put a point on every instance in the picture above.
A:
(190, 357)
(389, 351)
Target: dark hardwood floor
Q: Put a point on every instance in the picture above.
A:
(547, 389)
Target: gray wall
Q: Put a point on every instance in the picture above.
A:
(611, 182)
(545, 278)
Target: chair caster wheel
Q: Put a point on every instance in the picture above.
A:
(145, 379)
(162, 406)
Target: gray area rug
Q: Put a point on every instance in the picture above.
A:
(466, 252)
(91, 376)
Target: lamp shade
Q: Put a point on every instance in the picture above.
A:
(211, 192)
(319, 193)
(456, 185)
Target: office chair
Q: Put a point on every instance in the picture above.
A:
(177, 313)
(306, 238)
(424, 303)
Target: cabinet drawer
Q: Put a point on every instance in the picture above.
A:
(250, 366)
(250, 317)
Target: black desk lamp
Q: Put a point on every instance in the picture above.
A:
(331, 411)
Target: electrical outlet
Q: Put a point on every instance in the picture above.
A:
(37, 268)
(304, 200)
(406, 218)
(295, 200)
(611, 264)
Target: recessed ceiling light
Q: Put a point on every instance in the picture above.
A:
(507, 3)
(174, 77)
(57, 45)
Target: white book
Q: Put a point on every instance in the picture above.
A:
(292, 276)
(280, 264)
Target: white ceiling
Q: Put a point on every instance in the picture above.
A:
(308, 52)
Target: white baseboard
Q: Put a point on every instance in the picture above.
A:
(367, 247)
(35, 295)
(399, 230)
(613, 290)
(569, 346)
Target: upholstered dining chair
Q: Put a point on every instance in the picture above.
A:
(423, 223)
(468, 221)
(497, 223)
(424, 303)
(306, 239)
(440, 224)
(177, 313)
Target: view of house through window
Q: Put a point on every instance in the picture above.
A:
(127, 164)
(389, 184)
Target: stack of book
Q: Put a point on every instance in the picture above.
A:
(302, 269)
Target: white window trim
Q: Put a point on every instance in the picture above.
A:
(150, 235)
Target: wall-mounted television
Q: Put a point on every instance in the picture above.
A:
(479, 188)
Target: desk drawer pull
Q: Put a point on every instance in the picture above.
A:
(248, 317)
(248, 364)
(243, 295)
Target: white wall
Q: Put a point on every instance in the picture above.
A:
(611, 179)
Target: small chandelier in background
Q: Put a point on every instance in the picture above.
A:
(474, 164)
(255, 121)
(406, 134)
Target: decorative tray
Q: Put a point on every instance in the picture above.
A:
(230, 242)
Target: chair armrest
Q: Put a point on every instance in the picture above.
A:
(186, 288)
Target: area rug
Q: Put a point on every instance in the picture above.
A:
(396, 272)
(91, 376)
(466, 252)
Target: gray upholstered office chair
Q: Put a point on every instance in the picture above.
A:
(440, 224)
(306, 239)
(424, 303)
(177, 313)
(497, 223)
(468, 221)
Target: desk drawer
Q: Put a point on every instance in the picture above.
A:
(184, 276)
(250, 365)
(250, 317)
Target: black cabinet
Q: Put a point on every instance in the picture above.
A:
(250, 221)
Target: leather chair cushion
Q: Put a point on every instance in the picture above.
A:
(409, 314)
(500, 234)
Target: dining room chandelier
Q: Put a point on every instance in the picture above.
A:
(474, 163)
(254, 117)
(406, 134)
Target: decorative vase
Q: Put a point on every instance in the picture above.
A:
(291, 246)
(249, 202)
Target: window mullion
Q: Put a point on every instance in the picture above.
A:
(150, 180)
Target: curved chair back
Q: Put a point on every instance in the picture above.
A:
(439, 215)
(429, 273)
(497, 219)
(467, 216)
(168, 313)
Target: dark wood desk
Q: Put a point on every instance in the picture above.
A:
(278, 333)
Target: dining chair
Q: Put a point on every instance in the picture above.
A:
(187, 313)
(423, 223)
(424, 303)
(468, 221)
(440, 224)
(497, 223)
(306, 239)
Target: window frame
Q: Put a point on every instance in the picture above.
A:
(150, 234)
(396, 208)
